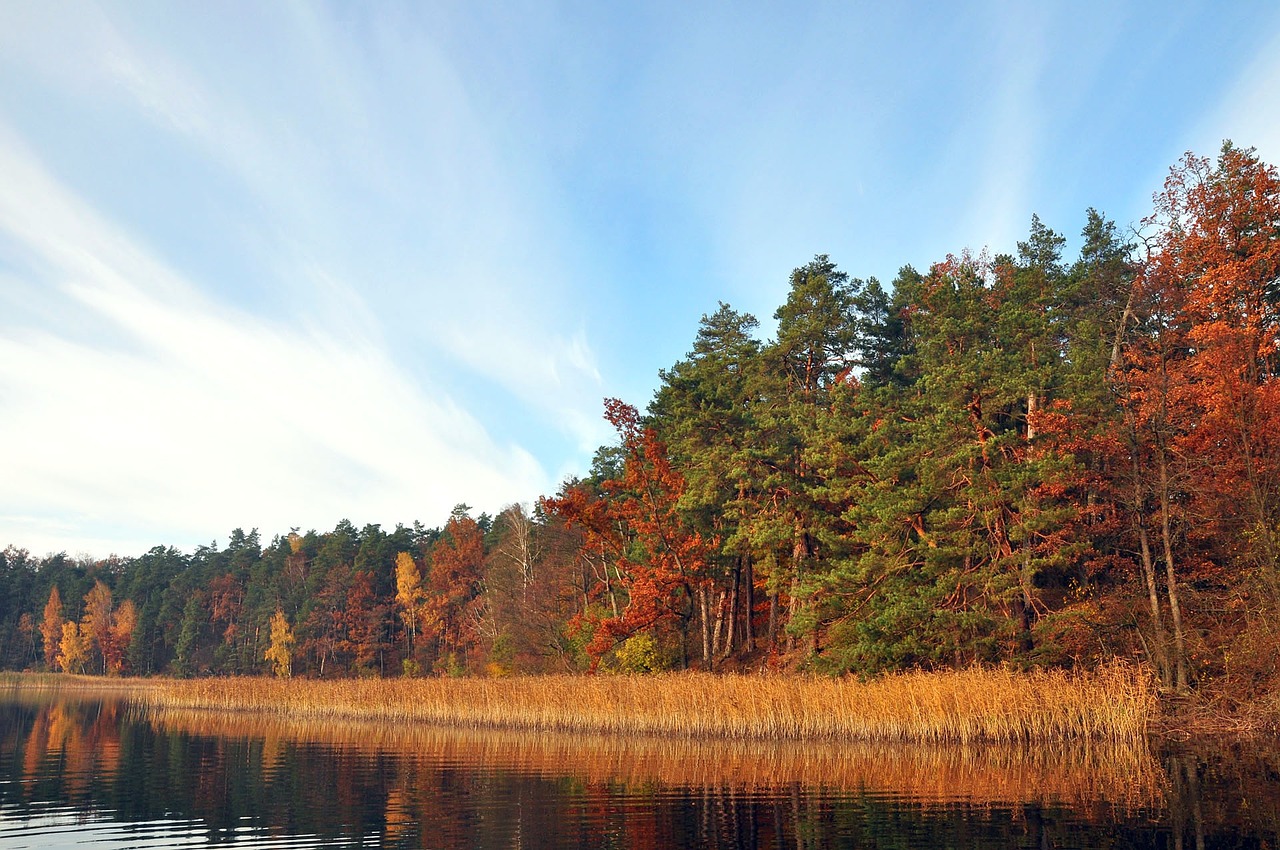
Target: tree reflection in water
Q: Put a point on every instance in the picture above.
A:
(244, 774)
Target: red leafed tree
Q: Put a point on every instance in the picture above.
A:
(657, 563)
(368, 624)
(226, 598)
(123, 622)
(1200, 380)
(1222, 244)
(453, 605)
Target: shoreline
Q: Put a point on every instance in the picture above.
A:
(1117, 703)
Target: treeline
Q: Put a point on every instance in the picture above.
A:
(476, 595)
(1007, 458)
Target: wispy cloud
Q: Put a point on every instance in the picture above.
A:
(376, 172)
(308, 260)
(1248, 114)
(374, 265)
(1006, 123)
(180, 415)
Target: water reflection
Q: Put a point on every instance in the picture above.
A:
(107, 774)
(1115, 776)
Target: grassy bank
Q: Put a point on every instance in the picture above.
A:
(1115, 704)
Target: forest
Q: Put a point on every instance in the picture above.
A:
(1012, 458)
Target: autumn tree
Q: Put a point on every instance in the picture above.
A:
(51, 628)
(1220, 244)
(226, 604)
(27, 636)
(515, 594)
(1097, 300)
(73, 648)
(659, 565)
(280, 652)
(453, 606)
(95, 625)
(123, 622)
(326, 630)
(409, 598)
(1198, 368)
(368, 625)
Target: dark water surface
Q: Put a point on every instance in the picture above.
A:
(92, 773)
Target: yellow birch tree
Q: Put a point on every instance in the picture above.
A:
(51, 628)
(409, 596)
(73, 649)
(280, 653)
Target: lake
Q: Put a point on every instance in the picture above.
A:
(101, 772)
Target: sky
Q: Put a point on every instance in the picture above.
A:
(273, 265)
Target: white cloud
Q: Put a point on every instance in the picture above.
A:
(382, 181)
(381, 210)
(181, 418)
(1011, 118)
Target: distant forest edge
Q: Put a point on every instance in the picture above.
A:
(1008, 458)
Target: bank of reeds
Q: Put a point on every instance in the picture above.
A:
(75, 685)
(1081, 773)
(978, 705)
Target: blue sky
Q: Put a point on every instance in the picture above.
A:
(276, 264)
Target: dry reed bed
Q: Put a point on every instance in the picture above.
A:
(978, 705)
(34, 685)
(1082, 773)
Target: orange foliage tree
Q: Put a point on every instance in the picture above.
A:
(453, 604)
(1200, 378)
(657, 563)
(409, 596)
(51, 628)
(95, 626)
(123, 621)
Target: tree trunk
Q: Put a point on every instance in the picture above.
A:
(704, 607)
(732, 614)
(773, 618)
(1171, 582)
(791, 609)
(608, 583)
(1161, 654)
(716, 630)
(799, 552)
(1118, 342)
(1026, 606)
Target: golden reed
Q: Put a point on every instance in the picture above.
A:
(1081, 773)
(73, 683)
(978, 705)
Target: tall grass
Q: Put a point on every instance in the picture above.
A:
(75, 685)
(978, 705)
(1079, 772)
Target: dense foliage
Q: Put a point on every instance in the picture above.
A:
(1003, 458)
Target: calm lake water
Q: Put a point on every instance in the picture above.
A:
(93, 773)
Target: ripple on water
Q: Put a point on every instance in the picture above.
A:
(58, 828)
(89, 776)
